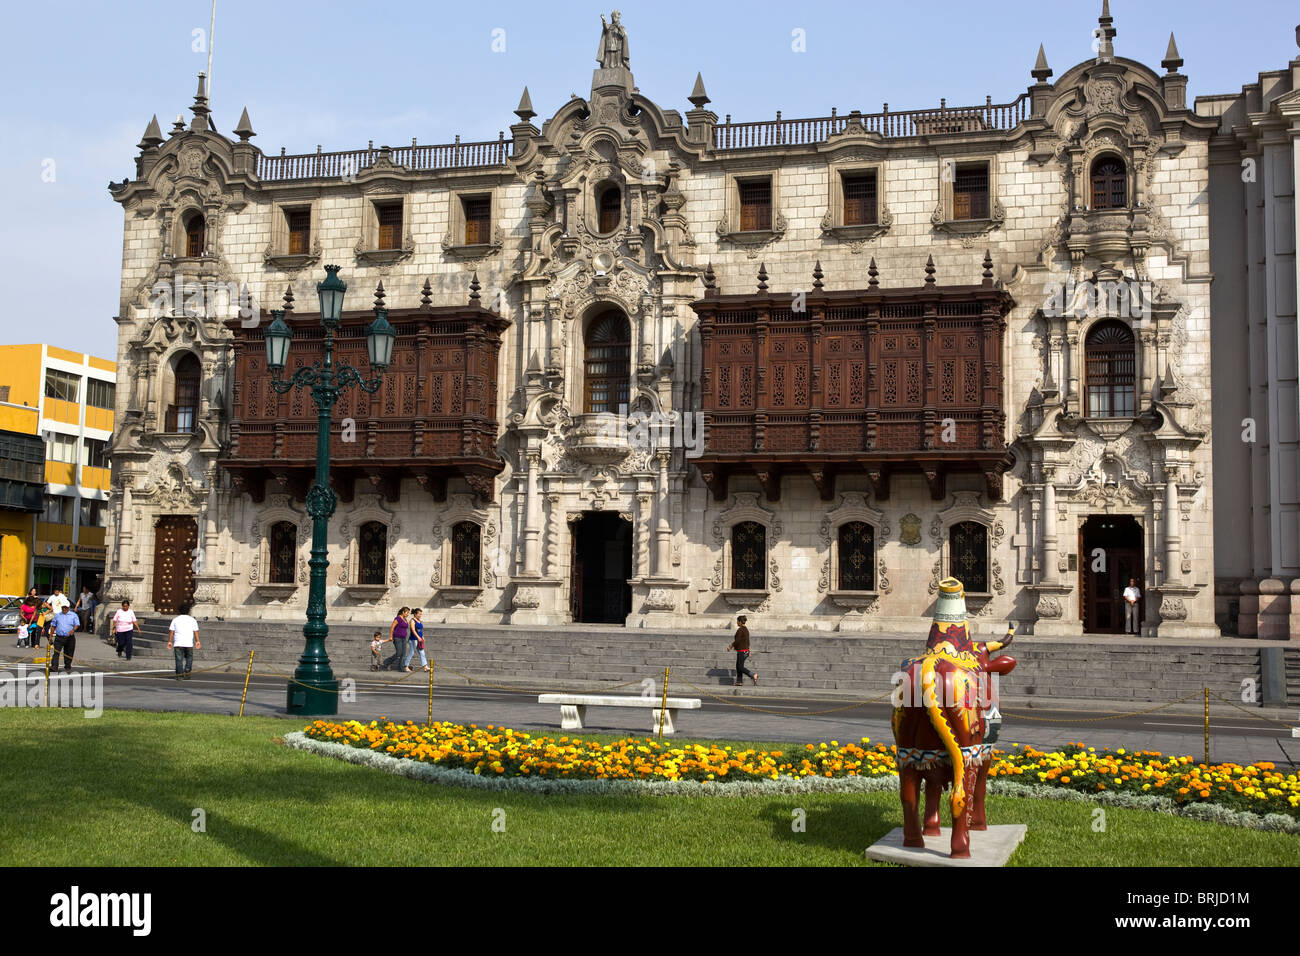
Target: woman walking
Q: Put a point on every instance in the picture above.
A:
(28, 632)
(416, 642)
(125, 628)
(399, 633)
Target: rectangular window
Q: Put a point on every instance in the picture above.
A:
(95, 453)
(93, 514)
(970, 191)
(299, 223)
(62, 448)
(390, 225)
(64, 386)
(860, 199)
(58, 509)
(478, 219)
(100, 394)
(755, 204)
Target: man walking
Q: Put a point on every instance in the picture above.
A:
(740, 644)
(65, 639)
(1131, 597)
(183, 640)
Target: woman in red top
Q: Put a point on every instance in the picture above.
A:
(27, 614)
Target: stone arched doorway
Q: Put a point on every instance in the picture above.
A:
(1110, 555)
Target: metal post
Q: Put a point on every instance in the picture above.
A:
(1207, 726)
(431, 663)
(243, 697)
(663, 706)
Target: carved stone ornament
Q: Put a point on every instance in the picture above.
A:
(527, 598)
(909, 529)
(660, 599)
(1049, 606)
(1173, 609)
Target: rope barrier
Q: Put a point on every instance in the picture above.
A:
(784, 713)
(1094, 720)
(1267, 720)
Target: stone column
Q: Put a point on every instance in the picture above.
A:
(210, 525)
(125, 529)
(1274, 610)
(1173, 560)
(532, 523)
(1049, 526)
(663, 522)
(1294, 621)
(1248, 610)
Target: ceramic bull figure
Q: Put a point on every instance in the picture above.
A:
(945, 722)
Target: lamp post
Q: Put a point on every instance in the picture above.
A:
(313, 690)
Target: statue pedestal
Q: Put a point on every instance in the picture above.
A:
(991, 847)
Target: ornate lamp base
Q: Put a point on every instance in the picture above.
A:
(313, 698)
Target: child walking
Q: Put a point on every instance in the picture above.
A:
(376, 643)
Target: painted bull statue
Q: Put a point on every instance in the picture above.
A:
(945, 722)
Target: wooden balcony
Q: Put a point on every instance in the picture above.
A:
(869, 381)
(433, 418)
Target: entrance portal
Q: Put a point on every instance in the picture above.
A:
(175, 539)
(1110, 553)
(602, 563)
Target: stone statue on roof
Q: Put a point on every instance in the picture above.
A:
(613, 44)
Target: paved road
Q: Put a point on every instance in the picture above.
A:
(145, 686)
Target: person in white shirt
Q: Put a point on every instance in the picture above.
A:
(58, 601)
(183, 640)
(83, 607)
(125, 628)
(1131, 597)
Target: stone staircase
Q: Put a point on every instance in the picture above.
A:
(1292, 658)
(1094, 671)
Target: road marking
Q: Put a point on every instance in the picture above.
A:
(1190, 728)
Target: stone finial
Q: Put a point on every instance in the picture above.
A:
(534, 364)
(988, 268)
(698, 97)
(473, 289)
(872, 273)
(200, 108)
(710, 280)
(817, 275)
(1172, 60)
(426, 294)
(762, 277)
(525, 110)
(380, 295)
(152, 137)
(929, 271)
(245, 128)
(1106, 33)
(1041, 70)
(178, 126)
(288, 299)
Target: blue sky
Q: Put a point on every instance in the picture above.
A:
(84, 78)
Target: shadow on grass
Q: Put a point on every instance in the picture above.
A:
(847, 825)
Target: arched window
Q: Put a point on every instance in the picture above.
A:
(1111, 371)
(284, 552)
(372, 553)
(1109, 184)
(611, 208)
(465, 549)
(857, 556)
(968, 555)
(183, 412)
(749, 556)
(609, 354)
(195, 235)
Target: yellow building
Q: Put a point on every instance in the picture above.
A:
(67, 399)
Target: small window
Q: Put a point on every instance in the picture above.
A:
(857, 554)
(608, 361)
(755, 204)
(465, 538)
(299, 224)
(183, 413)
(62, 385)
(611, 208)
(970, 191)
(1110, 369)
(100, 394)
(63, 448)
(95, 453)
(390, 225)
(58, 509)
(749, 556)
(93, 513)
(195, 236)
(284, 552)
(478, 219)
(1109, 184)
(372, 545)
(968, 555)
(859, 199)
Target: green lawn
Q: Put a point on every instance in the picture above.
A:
(121, 790)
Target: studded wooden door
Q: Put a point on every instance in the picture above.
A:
(175, 538)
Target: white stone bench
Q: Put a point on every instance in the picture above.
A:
(573, 708)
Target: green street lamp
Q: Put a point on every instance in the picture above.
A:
(314, 691)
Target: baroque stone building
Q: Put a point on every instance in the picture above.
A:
(654, 369)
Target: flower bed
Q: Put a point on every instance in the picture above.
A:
(1258, 789)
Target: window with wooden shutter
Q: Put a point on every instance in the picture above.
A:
(284, 552)
(299, 223)
(755, 204)
(860, 199)
(478, 219)
(611, 209)
(608, 346)
(465, 551)
(372, 549)
(968, 555)
(749, 556)
(182, 414)
(1109, 185)
(1111, 371)
(195, 236)
(857, 556)
(390, 225)
(970, 191)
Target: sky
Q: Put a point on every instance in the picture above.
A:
(83, 79)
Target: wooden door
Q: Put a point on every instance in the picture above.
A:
(175, 539)
(575, 576)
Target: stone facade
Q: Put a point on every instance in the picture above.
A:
(553, 266)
